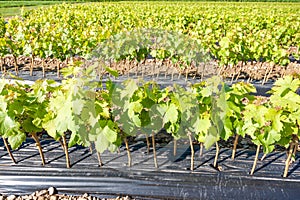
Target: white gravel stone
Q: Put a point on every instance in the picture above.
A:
(11, 197)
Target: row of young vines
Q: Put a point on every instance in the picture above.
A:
(229, 32)
(106, 114)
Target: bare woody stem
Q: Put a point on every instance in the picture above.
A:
(8, 150)
(152, 69)
(217, 155)
(128, 151)
(232, 78)
(39, 146)
(201, 149)
(91, 148)
(159, 66)
(16, 65)
(99, 159)
(43, 68)
(192, 151)
(296, 142)
(58, 69)
(180, 72)
(100, 163)
(154, 150)
(196, 73)
(268, 76)
(255, 160)
(239, 72)
(234, 146)
(186, 74)
(65, 146)
(288, 160)
(203, 71)
(167, 69)
(31, 65)
(175, 147)
(263, 157)
(172, 74)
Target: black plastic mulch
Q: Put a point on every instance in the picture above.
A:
(172, 180)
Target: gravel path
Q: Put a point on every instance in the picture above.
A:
(52, 194)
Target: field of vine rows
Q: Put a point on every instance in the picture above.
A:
(85, 43)
(251, 40)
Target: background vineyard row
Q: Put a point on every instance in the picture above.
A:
(228, 32)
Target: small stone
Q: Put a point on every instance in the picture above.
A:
(52, 190)
(41, 198)
(220, 168)
(27, 197)
(42, 193)
(2, 197)
(85, 195)
(11, 197)
(53, 197)
(64, 197)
